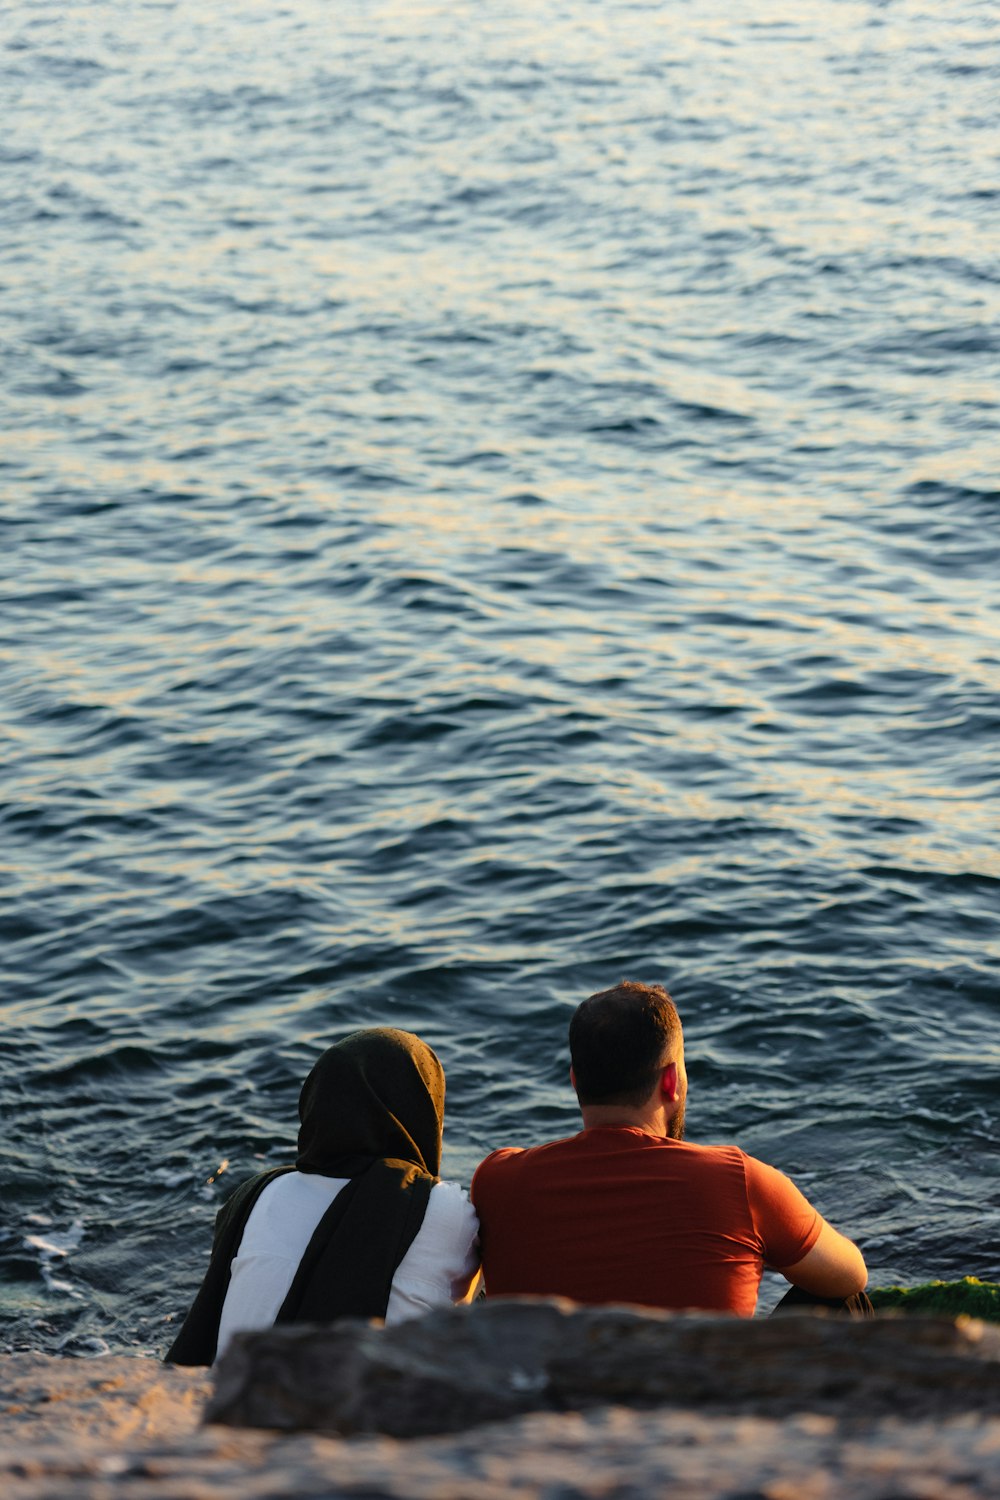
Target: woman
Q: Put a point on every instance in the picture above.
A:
(361, 1226)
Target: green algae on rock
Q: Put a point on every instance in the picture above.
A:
(970, 1296)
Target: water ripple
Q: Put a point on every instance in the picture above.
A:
(492, 503)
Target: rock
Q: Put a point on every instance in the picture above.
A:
(603, 1454)
(463, 1366)
(125, 1429)
(948, 1299)
(108, 1401)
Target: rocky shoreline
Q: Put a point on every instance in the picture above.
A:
(535, 1399)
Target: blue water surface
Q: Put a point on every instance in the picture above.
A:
(495, 498)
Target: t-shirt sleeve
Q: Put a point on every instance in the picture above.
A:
(785, 1220)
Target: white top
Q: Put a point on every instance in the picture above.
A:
(439, 1267)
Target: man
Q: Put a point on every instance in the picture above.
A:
(627, 1211)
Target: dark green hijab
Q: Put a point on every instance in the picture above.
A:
(378, 1093)
(371, 1109)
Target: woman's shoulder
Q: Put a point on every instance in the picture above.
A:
(444, 1188)
(449, 1209)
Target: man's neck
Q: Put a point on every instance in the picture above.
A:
(609, 1116)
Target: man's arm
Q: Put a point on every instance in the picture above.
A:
(834, 1267)
(797, 1240)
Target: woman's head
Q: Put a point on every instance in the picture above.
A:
(376, 1093)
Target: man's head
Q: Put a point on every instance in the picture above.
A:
(627, 1051)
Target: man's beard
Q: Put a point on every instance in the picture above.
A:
(675, 1126)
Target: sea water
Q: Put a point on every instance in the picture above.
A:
(496, 498)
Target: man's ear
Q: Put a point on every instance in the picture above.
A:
(572, 1077)
(668, 1082)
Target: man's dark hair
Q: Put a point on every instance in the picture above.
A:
(620, 1040)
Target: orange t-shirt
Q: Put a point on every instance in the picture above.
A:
(616, 1215)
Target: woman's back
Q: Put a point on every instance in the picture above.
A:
(439, 1267)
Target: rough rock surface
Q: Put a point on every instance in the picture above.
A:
(109, 1402)
(605, 1454)
(127, 1429)
(508, 1357)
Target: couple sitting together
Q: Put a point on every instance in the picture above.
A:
(625, 1211)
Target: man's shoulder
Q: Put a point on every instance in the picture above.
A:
(587, 1142)
(518, 1160)
(507, 1159)
(720, 1151)
(525, 1153)
(695, 1158)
